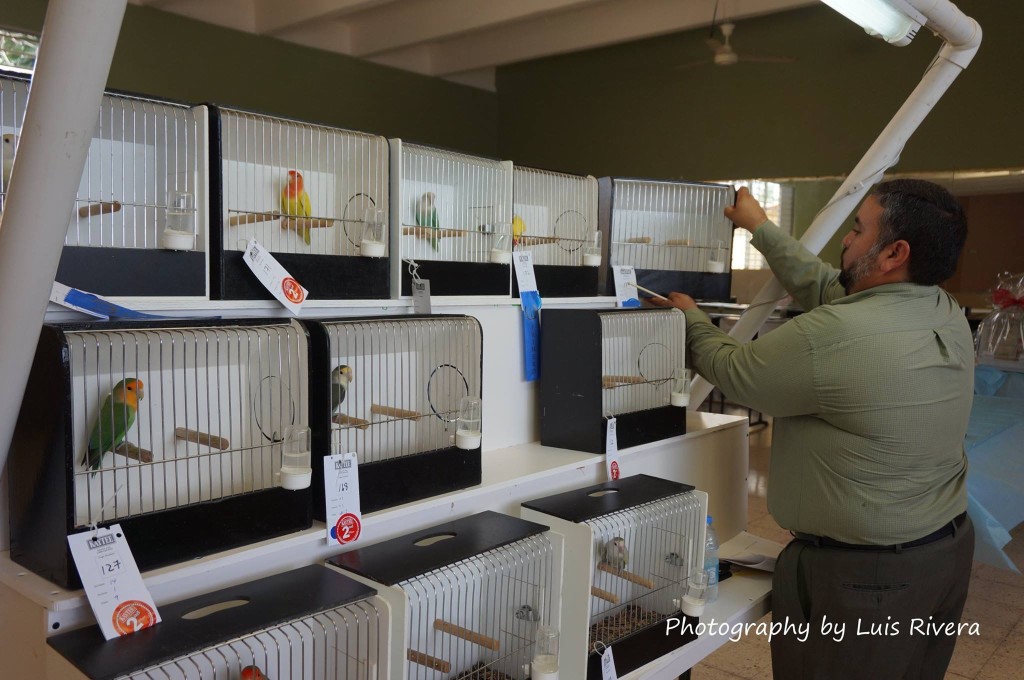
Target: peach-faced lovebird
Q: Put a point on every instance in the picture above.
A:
(340, 378)
(295, 201)
(252, 673)
(426, 216)
(614, 553)
(116, 417)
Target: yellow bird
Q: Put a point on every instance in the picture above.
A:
(518, 229)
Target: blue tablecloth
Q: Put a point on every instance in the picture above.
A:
(995, 478)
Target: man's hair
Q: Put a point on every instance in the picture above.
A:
(927, 217)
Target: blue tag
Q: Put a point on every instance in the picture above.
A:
(95, 305)
(530, 302)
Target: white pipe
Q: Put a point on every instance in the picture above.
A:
(72, 65)
(883, 154)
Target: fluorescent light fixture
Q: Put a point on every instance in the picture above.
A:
(882, 19)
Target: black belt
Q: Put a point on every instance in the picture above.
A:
(946, 529)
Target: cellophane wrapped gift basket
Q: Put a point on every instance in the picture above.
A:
(999, 340)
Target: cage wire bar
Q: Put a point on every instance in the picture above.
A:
(639, 352)
(453, 206)
(671, 226)
(343, 643)
(343, 173)
(557, 215)
(477, 618)
(408, 377)
(144, 174)
(209, 423)
(629, 595)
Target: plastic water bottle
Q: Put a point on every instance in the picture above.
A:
(711, 561)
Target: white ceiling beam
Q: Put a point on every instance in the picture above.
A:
(403, 24)
(332, 35)
(594, 26)
(276, 16)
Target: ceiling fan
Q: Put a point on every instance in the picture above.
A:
(725, 55)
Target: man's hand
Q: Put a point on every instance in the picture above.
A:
(747, 213)
(680, 301)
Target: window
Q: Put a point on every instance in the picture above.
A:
(777, 201)
(18, 50)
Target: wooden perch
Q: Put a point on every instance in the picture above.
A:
(467, 635)
(129, 450)
(98, 209)
(627, 575)
(537, 240)
(197, 437)
(604, 595)
(430, 232)
(252, 218)
(614, 380)
(300, 223)
(638, 239)
(342, 419)
(430, 662)
(678, 242)
(393, 412)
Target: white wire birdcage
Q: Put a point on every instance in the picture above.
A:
(405, 379)
(670, 225)
(642, 557)
(302, 188)
(343, 643)
(640, 352)
(451, 207)
(144, 185)
(554, 216)
(477, 618)
(211, 404)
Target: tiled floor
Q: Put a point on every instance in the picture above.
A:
(995, 601)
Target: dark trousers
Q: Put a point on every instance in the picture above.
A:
(888, 607)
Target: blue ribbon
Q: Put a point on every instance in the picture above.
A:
(531, 303)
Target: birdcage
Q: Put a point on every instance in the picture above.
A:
(555, 217)
(465, 597)
(598, 364)
(390, 389)
(311, 623)
(139, 223)
(674, 234)
(173, 429)
(452, 216)
(636, 540)
(316, 197)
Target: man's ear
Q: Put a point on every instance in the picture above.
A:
(894, 256)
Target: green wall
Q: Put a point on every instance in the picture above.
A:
(625, 109)
(168, 56)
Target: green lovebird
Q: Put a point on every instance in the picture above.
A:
(116, 417)
(341, 376)
(426, 216)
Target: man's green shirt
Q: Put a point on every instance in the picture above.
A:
(871, 394)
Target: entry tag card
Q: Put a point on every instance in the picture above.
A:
(608, 665)
(117, 594)
(421, 296)
(274, 277)
(625, 295)
(611, 451)
(341, 486)
(529, 300)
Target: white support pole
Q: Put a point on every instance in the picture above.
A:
(71, 71)
(963, 36)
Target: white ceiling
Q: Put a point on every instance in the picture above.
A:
(463, 40)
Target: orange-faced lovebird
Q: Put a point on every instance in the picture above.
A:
(116, 417)
(295, 201)
(252, 673)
